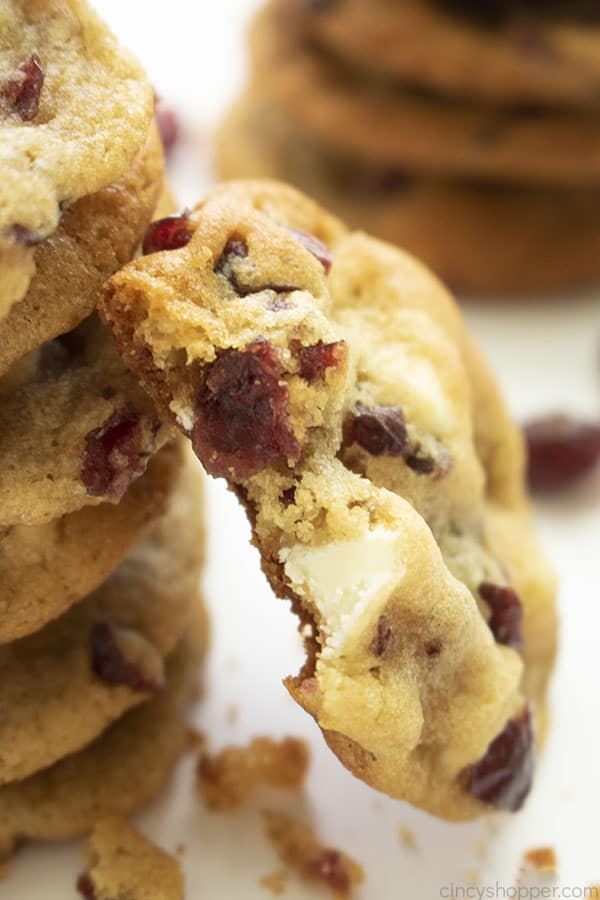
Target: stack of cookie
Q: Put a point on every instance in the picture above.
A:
(465, 131)
(100, 530)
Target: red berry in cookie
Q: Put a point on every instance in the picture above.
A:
(380, 430)
(315, 360)
(241, 413)
(22, 89)
(114, 455)
(121, 656)
(314, 246)
(506, 613)
(169, 233)
(86, 887)
(503, 777)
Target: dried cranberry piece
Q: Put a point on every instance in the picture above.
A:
(114, 455)
(23, 89)
(233, 249)
(422, 465)
(383, 636)
(242, 421)
(328, 868)
(380, 430)
(236, 249)
(86, 887)
(288, 496)
(504, 775)
(314, 246)
(169, 233)
(315, 360)
(507, 613)
(561, 449)
(122, 656)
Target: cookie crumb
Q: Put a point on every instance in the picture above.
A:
(232, 714)
(227, 778)
(543, 859)
(473, 877)
(276, 882)
(407, 837)
(122, 862)
(302, 851)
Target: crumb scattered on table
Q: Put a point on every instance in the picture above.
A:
(543, 859)
(473, 877)
(275, 882)
(302, 851)
(227, 778)
(407, 837)
(123, 863)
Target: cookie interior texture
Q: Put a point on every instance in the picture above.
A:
(115, 775)
(330, 378)
(55, 696)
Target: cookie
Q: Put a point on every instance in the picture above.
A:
(484, 239)
(96, 236)
(123, 863)
(75, 108)
(399, 126)
(44, 569)
(335, 387)
(77, 434)
(63, 685)
(503, 53)
(117, 774)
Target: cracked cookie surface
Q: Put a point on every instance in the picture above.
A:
(330, 379)
(65, 684)
(115, 775)
(76, 432)
(75, 108)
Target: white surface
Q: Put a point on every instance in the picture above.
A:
(547, 358)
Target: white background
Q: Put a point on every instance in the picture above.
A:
(547, 357)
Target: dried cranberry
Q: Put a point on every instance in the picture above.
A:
(507, 613)
(122, 656)
(114, 455)
(169, 233)
(433, 648)
(86, 887)
(503, 777)
(383, 636)
(380, 430)
(422, 465)
(168, 125)
(242, 421)
(236, 249)
(328, 868)
(314, 361)
(314, 246)
(560, 450)
(23, 88)
(288, 497)
(233, 249)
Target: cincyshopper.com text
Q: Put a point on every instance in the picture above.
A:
(517, 892)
